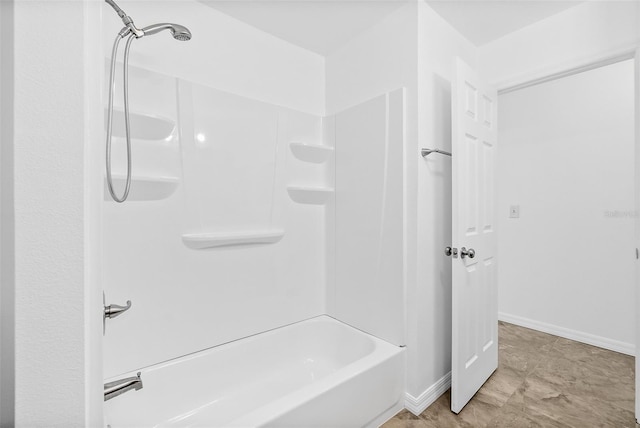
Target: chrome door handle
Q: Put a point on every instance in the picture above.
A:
(470, 252)
(449, 251)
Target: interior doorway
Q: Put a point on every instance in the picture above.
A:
(565, 191)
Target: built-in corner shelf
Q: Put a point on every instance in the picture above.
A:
(201, 241)
(143, 188)
(309, 195)
(143, 126)
(314, 153)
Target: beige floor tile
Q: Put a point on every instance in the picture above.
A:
(588, 381)
(500, 386)
(542, 381)
(541, 399)
(440, 415)
(396, 422)
(509, 417)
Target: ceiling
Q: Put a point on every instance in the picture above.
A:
(320, 26)
(483, 21)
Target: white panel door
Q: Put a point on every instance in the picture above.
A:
(475, 292)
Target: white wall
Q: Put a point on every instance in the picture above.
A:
(7, 363)
(377, 61)
(429, 299)
(380, 60)
(224, 53)
(566, 159)
(574, 37)
(56, 315)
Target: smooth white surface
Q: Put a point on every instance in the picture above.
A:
(54, 124)
(574, 37)
(230, 161)
(378, 61)
(200, 241)
(429, 297)
(369, 253)
(484, 21)
(567, 156)
(224, 53)
(232, 156)
(285, 377)
(474, 327)
(319, 26)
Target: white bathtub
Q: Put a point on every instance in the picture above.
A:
(316, 373)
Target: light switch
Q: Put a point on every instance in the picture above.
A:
(514, 211)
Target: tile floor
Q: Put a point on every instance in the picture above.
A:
(542, 381)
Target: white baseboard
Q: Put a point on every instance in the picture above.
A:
(428, 397)
(590, 339)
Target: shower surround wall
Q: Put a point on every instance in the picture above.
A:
(213, 165)
(246, 215)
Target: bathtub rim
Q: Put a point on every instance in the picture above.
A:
(237, 342)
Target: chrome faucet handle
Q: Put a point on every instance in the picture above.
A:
(113, 311)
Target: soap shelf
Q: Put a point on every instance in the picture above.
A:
(309, 195)
(313, 153)
(143, 126)
(144, 188)
(201, 241)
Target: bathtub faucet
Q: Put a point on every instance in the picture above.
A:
(117, 387)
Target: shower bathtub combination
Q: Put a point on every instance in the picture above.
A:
(255, 293)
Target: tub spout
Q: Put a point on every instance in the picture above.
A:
(115, 388)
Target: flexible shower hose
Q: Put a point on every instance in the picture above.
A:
(126, 117)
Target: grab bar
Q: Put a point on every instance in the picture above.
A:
(427, 152)
(117, 387)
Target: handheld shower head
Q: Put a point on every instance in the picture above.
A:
(177, 31)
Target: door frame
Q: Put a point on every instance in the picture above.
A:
(598, 60)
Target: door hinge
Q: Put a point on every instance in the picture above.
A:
(637, 254)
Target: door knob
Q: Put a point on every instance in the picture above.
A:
(470, 252)
(449, 251)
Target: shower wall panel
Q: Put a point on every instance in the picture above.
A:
(221, 171)
(369, 217)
